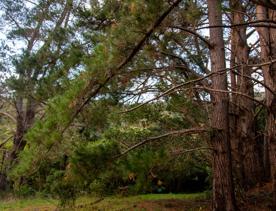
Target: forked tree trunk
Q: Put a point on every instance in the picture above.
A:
(268, 52)
(223, 189)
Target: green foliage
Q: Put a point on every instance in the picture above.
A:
(24, 191)
(92, 167)
(67, 194)
(67, 154)
(91, 158)
(141, 164)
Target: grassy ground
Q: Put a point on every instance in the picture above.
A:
(141, 202)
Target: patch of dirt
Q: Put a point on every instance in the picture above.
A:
(174, 205)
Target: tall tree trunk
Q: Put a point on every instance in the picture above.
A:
(271, 102)
(247, 163)
(223, 189)
(268, 52)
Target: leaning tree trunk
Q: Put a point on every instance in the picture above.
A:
(268, 52)
(247, 164)
(223, 189)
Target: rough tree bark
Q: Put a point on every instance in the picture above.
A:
(268, 51)
(247, 165)
(223, 188)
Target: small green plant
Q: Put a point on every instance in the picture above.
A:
(67, 195)
(24, 191)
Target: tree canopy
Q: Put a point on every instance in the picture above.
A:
(146, 96)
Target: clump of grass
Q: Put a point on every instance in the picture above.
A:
(93, 203)
(17, 204)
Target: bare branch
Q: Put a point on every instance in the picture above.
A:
(169, 91)
(8, 115)
(195, 34)
(172, 133)
(233, 92)
(6, 141)
(254, 79)
(257, 23)
(263, 64)
(31, 2)
(180, 152)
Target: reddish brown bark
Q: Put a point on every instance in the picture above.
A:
(271, 103)
(247, 163)
(268, 52)
(223, 189)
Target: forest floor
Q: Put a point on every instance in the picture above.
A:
(257, 199)
(150, 202)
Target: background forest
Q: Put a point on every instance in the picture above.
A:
(138, 96)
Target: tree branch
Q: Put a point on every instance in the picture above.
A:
(171, 90)
(4, 142)
(90, 90)
(190, 150)
(257, 23)
(195, 34)
(8, 115)
(172, 133)
(233, 92)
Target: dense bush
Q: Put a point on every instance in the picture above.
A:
(90, 161)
